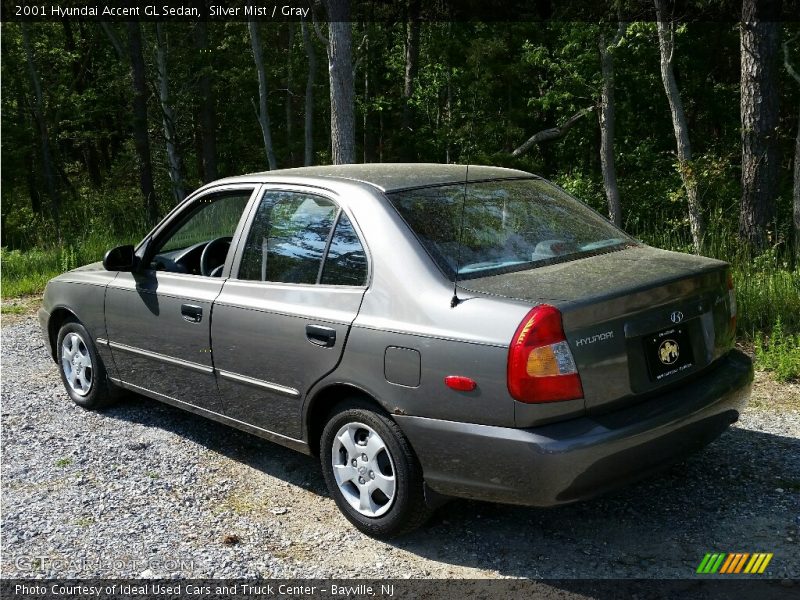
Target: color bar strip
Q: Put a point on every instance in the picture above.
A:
(718, 563)
(752, 562)
(766, 562)
(728, 563)
(703, 563)
(740, 563)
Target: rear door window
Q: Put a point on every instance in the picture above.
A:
(291, 234)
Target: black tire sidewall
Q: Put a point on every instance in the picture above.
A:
(408, 480)
(98, 394)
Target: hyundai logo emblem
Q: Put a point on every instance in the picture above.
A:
(676, 317)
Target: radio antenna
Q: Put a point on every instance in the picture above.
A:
(455, 301)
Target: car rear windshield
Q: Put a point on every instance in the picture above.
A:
(503, 226)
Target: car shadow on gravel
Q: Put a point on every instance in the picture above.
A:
(739, 494)
(273, 459)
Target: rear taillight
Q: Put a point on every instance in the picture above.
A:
(732, 303)
(540, 363)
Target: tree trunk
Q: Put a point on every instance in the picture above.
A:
(607, 122)
(311, 56)
(666, 45)
(412, 62)
(207, 112)
(263, 115)
(796, 185)
(30, 171)
(112, 37)
(340, 68)
(140, 135)
(289, 86)
(48, 168)
(796, 194)
(173, 155)
(759, 113)
(366, 141)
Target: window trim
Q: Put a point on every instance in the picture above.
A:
(299, 189)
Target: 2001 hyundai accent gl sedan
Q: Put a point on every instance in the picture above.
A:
(428, 330)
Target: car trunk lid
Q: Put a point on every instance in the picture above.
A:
(636, 320)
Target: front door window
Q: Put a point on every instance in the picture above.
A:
(199, 243)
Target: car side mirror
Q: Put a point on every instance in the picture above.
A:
(121, 258)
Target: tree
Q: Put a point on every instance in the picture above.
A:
(175, 162)
(262, 111)
(340, 67)
(796, 175)
(141, 138)
(552, 133)
(606, 117)
(411, 67)
(207, 155)
(666, 45)
(44, 134)
(289, 95)
(759, 117)
(308, 134)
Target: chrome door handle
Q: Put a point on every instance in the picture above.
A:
(192, 313)
(321, 336)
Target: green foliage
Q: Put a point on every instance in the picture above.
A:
(27, 272)
(779, 352)
(481, 90)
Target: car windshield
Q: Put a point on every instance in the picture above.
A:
(503, 226)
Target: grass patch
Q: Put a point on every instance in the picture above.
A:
(13, 309)
(63, 462)
(26, 273)
(779, 353)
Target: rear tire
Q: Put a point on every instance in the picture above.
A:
(371, 471)
(82, 371)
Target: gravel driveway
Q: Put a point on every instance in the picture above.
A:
(144, 489)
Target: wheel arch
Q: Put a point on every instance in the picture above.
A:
(58, 317)
(322, 403)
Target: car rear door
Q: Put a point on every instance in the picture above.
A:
(158, 319)
(281, 321)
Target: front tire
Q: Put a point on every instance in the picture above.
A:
(371, 471)
(81, 369)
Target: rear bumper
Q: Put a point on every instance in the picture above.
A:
(576, 459)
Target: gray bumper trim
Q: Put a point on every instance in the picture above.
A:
(579, 458)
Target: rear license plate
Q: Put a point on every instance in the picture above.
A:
(668, 352)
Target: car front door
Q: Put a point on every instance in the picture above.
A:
(158, 318)
(281, 320)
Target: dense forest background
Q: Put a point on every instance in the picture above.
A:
(105, 126)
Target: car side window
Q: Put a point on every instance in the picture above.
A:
(288, 238)
(199, 242)
(346, 262)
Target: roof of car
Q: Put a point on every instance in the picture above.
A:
(390, 177)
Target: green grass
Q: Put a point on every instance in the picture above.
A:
(63, 462)
(779, 352)
(25, 273)
(13, 309)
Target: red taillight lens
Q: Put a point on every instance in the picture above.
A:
(540, 363)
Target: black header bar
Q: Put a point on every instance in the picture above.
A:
(389, 11)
